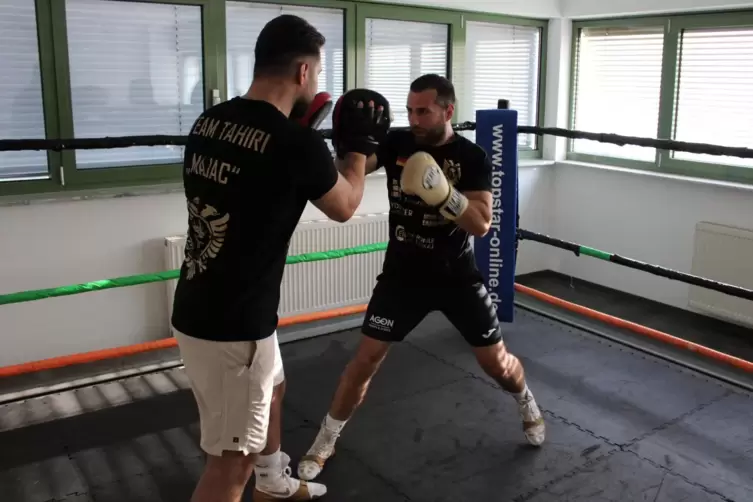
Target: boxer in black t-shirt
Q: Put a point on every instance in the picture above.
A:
(250, 169)
(439, 187)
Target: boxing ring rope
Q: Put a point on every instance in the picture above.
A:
(57, 145)
(665, 272)
(112, 353)
(166, 343)
(163, 343)
(578, 249)
(135, 280)
(494, 142)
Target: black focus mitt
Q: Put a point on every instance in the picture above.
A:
(314, 114)
(360, 121)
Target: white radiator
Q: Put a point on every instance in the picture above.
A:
(725, 254)
(320, 285)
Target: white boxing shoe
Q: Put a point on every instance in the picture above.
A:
(312, 463)
(533, 421)
(275, 484)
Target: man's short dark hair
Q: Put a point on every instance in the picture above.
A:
(284, 40)
(445, 89)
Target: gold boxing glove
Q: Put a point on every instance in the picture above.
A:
(423, 177)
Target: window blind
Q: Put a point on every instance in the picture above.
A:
(136, 69)
(715, 91)
(398, 52)
(618, 80)
(21, 111)
(502, 62)
(245, 21)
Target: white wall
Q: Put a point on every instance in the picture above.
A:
(640, 216)
(575, 9)
(536, 191)
(47, 245)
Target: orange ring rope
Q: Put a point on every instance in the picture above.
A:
(638, 328)
(165, 343)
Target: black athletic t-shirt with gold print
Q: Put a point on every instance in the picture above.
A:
(423, 244)
(248, 174)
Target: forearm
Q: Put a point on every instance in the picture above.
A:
(353, 169)
(372, 164)
(477, 218)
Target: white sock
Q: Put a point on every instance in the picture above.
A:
(270, 476)
(268, 462)
(334, 425)
(524, 395)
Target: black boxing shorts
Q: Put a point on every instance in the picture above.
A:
(397, 306)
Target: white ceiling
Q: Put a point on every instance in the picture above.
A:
(544, 9)
(577, 9)
(599, 8)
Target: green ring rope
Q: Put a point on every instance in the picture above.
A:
(135, 280)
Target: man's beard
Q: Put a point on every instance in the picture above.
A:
(299, 109)
(429, 136)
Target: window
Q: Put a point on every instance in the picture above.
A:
(617, 88)
(244, 23)
(714, 102)
(135, 69)
(502, 62)
(21, 111)
(398, 52)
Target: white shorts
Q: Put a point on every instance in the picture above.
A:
(233, 384)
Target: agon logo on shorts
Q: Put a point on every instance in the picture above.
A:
(381, 323)
(206, 235)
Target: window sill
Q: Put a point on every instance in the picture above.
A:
(535, 163)
(654, 174)
(162, 189)
(522, 163)
(91, 194)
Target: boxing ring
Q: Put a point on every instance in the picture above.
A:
(633, 413)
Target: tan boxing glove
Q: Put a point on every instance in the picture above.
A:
(423, 177)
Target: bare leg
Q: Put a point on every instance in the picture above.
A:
(351, 391)
(273, 479)
(355, 380)
(508, 372)
(224, 478)
(274, 434)
(502, 366)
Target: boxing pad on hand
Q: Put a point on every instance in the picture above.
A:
(360, 121)
(423, 177)
(313, 115)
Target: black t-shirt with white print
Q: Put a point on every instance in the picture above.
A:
(248, 174)
(422, 243)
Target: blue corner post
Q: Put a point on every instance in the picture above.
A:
(497, 133)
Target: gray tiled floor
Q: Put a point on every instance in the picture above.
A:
(621, 427)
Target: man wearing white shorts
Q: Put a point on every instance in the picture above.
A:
(251, 166)
(248, 372)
